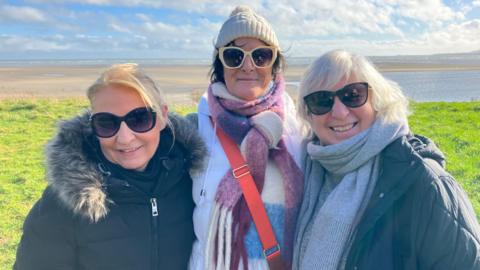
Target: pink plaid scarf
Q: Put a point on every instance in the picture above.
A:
(234, 117)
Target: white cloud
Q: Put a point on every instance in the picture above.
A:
(218, 7)
(428, 11)
(456, 37)
(162, 36)
(462, 37)
(305, 27)
(119, 28)
(21, 14)
(16, 43)
(309, 19)
(476, 3)
(143, 17)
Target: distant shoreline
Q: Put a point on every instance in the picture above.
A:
(424, 67)
(181, 83)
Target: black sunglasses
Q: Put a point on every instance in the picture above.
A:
(351, 95)
(139, 120)
(233, 57)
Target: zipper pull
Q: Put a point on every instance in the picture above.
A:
(103, 170)
(153, 201)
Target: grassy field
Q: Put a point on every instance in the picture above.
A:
(26, 125)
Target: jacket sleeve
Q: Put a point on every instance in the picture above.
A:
(47, 241)
(448, 233)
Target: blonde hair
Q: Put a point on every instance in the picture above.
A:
(130, 75)
(326, 71)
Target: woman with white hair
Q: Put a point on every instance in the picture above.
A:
(375, 196)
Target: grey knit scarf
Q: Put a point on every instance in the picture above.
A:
(330, 211)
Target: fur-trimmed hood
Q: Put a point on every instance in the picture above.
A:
(73, 170)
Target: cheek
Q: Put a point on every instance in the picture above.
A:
(318, 124)
(107, 145)
(152, 138)
(367, 115)
(228, 75)
(266, 74)
(151, 142)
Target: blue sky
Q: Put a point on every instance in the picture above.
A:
(187, 28)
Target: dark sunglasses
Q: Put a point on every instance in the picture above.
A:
(351, 95)
(262, 57)
(139, 120)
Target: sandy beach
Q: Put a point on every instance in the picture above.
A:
(182, 84)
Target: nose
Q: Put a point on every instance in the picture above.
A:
(124, 135)
(339, 110)
(247, 65)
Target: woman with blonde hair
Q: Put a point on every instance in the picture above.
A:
(376, 196)
(119, 189)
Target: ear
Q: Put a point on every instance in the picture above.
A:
(164, 111)
(162, 116)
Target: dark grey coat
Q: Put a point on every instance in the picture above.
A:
(418, 217)
(87, 219)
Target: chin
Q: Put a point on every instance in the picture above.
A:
(136, 167)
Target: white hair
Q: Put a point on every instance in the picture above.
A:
(326, 71)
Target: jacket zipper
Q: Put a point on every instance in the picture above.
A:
(154, 223)
(153, 202)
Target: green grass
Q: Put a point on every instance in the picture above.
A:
(455, 128)
(27, 124)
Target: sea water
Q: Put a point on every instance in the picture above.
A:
(438, 85)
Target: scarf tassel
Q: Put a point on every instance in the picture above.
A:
(219, 239)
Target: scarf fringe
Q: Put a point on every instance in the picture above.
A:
(228, 244)
(220, 230)
(210, 245)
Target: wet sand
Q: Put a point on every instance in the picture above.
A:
(181, 84)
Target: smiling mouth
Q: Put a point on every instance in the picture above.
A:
(129, 150)
(343, 128)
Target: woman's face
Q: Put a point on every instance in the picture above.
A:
(247, 82)
(127, 148)
(342, 122)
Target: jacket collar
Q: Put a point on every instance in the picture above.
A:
(73, 170)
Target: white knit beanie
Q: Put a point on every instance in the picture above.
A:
(244, 22)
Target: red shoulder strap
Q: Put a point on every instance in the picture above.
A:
(241, 172)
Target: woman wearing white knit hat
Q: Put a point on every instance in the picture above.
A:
(247, 103)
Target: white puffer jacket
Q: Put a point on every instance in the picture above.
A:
(205, 183)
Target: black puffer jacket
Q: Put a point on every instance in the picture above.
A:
(87, 219)
(418, 216)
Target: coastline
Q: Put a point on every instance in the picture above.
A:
(181, 83)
